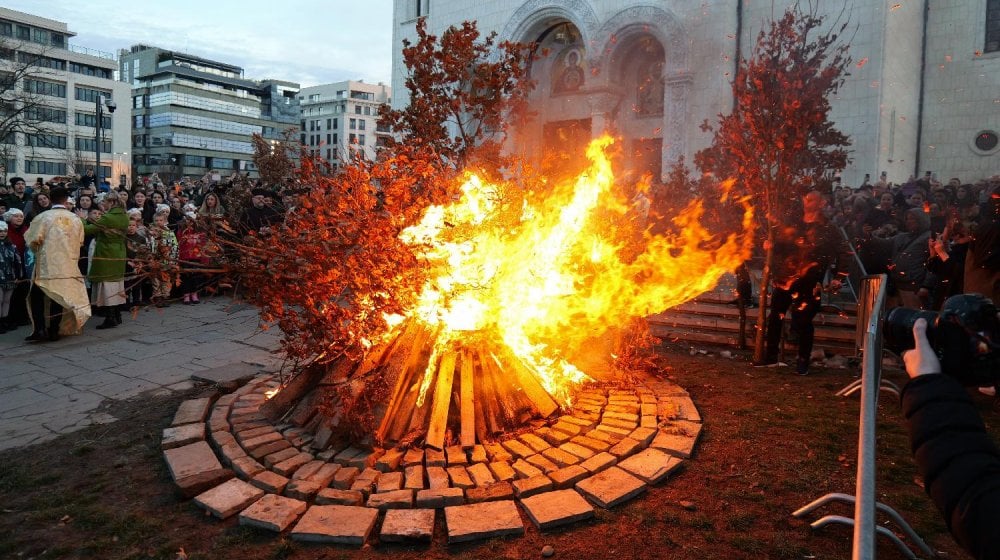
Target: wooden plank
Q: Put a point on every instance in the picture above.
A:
(397, 361)
(442, 398)
(468, 403)
(492, 412)
(503, 394)
(417, 365)
(480, 398)
(532, 387)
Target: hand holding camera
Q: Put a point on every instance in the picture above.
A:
(963, 340)
(921, 360)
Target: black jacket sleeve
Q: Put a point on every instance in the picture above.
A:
(959, 462)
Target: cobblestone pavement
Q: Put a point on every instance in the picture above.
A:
(53, 388)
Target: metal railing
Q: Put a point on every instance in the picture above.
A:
(871, 308)
(92, 52)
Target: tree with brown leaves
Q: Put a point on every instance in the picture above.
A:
(464, 92)
(779, 141)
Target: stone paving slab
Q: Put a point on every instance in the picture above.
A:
(270, 482)
(190, 461)
(599, 462)
(177, 436)
(495, 491)
(273, 512)
(397, 499)
(191, 411)
(677, 445)
(340, 497)
(247, 467)
(229, 498)
(401, 525)
(335, 524)
(530, 486)
(560, 507)
(440, 497)
(611, 487)
(566, 477)
(650, 465)
(482, 521)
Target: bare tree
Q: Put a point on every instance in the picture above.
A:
(27, 117)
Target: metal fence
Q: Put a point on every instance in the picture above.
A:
(871, 309)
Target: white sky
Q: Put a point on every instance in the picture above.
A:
(307, 41)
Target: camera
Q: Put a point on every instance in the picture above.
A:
(965, 336)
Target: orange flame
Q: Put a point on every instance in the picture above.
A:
(542, 278)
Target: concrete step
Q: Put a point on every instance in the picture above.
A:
(677, 334)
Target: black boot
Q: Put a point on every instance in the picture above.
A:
(109, 320)
(37, 335)
(118, 315)
(5, 325)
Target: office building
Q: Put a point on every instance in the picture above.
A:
(52, 124)
(192, 116)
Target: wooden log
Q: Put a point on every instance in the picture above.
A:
(532, 387)
(281, 403)
(442, 400)
(502, 393)
(416, 366)
(480, 398)
(397, 362)
(467, 404)
(492, 412)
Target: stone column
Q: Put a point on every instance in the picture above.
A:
(603, 110)
(675, 112)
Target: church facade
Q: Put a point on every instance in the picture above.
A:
(923, 94)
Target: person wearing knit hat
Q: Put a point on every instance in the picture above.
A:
(18, 195)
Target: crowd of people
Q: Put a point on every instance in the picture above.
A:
(933, 240)
(77, 247)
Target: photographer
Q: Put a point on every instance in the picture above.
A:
(958, 461)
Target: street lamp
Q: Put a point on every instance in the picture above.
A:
(101, 102)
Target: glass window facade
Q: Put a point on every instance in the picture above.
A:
(196, 102)
(41, 87)
(45, 140)
(203, 123)
(43, 167)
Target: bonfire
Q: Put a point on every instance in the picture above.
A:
(524, 298)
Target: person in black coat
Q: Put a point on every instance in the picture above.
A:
(958, 461)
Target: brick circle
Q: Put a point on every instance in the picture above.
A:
(606, 450)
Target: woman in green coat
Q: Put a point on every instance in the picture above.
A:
(107, 268)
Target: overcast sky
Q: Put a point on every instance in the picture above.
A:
(306, 41)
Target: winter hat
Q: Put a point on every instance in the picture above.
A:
(163, 208)
(9, 214)
(3, 226)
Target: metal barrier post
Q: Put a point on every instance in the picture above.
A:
(871, 307)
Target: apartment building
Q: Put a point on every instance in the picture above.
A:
(340, 120)
(192, 116)
(50, 92)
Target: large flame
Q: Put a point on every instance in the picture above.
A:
(548, 276)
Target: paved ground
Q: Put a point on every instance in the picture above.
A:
(56, 388)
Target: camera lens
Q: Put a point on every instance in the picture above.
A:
(898, 330)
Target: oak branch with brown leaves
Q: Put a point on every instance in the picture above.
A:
(464, 91)
(779, 140)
